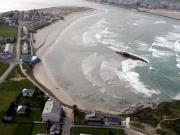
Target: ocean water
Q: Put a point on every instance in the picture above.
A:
(90, 71)
(84, 62)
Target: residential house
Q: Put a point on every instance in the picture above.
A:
(52, 111)
(8, 51)
(25, 48)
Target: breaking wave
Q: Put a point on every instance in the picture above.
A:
(134, 78)
(160, 22)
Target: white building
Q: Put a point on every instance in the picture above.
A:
(126, 122)
(28, 92)
(25, 30)
(25, 48)
(8, 51)
(52, 111)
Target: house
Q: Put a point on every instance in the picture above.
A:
(125, 122)
(8, 51)
(21, 109)
(25, 49)
(25, 30)
(95, 118)
(28, 92)
(52, 111)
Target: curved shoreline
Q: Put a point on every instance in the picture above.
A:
(45, 39)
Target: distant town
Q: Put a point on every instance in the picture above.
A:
(150, 4)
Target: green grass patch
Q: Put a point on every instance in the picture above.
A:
(97, 131)
(39, 128)
(168, 110)
(15, 73)
(7, 30)
(27, 68)
(3, 68)
(137, 125)
(79, 117)
(9, 91)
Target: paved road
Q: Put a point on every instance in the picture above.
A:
(67, 121)
(18, 45)
(7, 72)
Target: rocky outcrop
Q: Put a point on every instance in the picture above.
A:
(131, 56)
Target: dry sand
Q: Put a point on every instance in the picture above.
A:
(45, 38)
(165, 13)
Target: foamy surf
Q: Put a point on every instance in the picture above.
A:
(134, 78)
(177, 97)
(160, 22)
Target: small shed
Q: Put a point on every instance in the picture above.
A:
(21, 109)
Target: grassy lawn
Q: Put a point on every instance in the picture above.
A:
(27, 68)
(7, 30)
(97, 131)
(39, 128)
(23, 129)
(9, 91)
(79, 117)
(3, 68)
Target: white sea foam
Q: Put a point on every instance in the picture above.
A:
(109, 69)
(88, 66)
(177, 46)
(159, 53)
(117, 97)
(160, 22)
(165, 46)
(94, 33)
(133, 78)
(177, 97)
(151, 68)
(88, 41)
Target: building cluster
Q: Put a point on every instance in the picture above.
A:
(10, 18)
(150, 4)
(97, 118)
(27, 46)
(36, 19)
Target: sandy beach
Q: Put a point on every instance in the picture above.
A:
(45, 38)
(161, 12)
